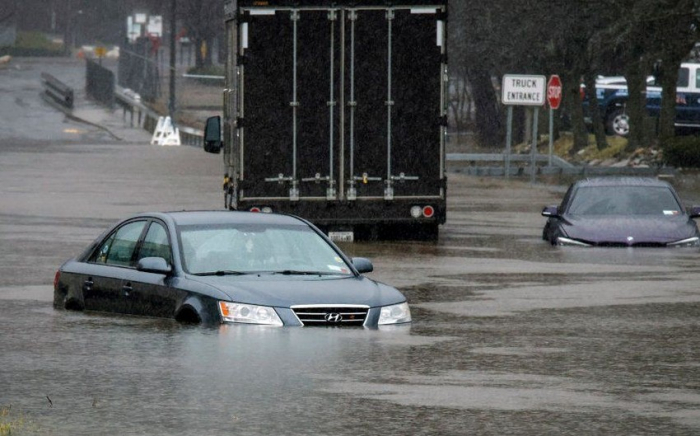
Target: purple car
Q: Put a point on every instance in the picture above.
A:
(621, 212)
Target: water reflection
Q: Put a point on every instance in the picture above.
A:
(510, 335)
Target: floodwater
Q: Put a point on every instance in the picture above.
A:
(510, 335)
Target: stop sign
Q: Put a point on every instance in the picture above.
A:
(554, 91)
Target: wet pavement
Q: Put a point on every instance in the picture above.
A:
(510, 335)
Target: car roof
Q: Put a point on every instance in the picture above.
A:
(216, 217)
(622, 181)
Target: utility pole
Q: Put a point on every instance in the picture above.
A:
(173, 30)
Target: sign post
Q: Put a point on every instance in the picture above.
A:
(523, 90)
(554, 94)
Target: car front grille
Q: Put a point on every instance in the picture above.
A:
(330, 316)
(636, 244)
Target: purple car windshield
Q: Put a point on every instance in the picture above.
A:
(624, 200)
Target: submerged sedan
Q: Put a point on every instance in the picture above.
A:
(226, 267)
(621, 212)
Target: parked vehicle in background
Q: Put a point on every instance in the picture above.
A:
(621, 212)
(226, 267)
(612, 98)
(336, 111)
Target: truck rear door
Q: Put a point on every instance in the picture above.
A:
(394, 92)
(340, 103)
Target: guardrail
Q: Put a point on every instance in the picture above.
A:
(57, 91)
(501, 158)
(130, 102)
(146, 118)
(493, 164)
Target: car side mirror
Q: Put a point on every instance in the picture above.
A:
(694, 212)
(212, 135)
(156, 265)
(362, 265)
(550, 211)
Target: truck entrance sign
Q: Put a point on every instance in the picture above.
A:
(523, 90)
(554, 91)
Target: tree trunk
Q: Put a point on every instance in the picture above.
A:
(489, 122)
(667, 115)
(594, 112)
(572, 101)
(636, 105)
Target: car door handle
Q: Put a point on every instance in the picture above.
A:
(126, 289)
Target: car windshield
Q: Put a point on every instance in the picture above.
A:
(624, 200)
(236, 249)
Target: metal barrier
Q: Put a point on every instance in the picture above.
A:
(57, 91)
(484, 164)
(146, 118)
(130, 102)
(193, 137)
(99, 83)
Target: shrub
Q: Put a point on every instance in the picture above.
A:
(682, 152)
(33, 44)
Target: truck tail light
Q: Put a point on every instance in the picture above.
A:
(422, 211)
(416, 211)
(264, 209)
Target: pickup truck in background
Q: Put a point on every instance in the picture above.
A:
(612, 98)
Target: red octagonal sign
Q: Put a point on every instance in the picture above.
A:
(554, 91)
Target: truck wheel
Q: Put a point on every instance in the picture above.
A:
(617, 123)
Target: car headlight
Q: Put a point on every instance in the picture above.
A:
(690, 242)
(566, 242)
(396, 314)
(248, 314)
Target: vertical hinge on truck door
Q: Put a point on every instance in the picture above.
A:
(389, 189)
(281, 179)
(330, 191)
(364, 179)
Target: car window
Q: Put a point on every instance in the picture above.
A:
(624, 200)
(697, 77)
(118, 249)
(257, 248)
(683, 79)
(100, 255)
(156, 243)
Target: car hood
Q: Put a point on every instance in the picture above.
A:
(619, 230)
(286, 291)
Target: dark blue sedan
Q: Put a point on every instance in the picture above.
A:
(621, 212)
(226, 267)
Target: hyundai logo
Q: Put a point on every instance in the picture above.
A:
(334, 317)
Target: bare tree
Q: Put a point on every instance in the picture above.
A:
(203, 20)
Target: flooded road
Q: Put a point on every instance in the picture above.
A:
(510, 335)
